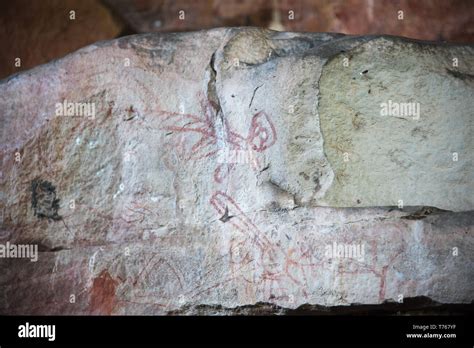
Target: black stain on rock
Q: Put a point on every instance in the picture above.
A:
(226, 217)
(130, 113)
(43, 200)
(304, 175)
(460, 75)
(424, 212)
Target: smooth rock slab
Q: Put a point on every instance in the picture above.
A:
(421, 155)
(201, 175)
(285, 264)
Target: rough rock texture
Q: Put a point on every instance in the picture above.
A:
(138, 210)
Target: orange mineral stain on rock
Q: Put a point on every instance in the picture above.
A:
(102, 299)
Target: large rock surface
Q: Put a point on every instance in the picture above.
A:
(147, 211)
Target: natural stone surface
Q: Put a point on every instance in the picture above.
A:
(400, 157)
(138, 210)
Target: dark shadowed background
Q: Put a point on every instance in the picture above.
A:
(38, 31)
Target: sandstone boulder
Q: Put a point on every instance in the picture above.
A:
(237, 166)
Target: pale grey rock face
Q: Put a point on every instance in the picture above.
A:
(405, 156)
(236, 166)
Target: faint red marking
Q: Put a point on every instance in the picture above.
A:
(261, 136)
(262, 132)
(383, 278)
(201, 125)
(380, 273)
(221, 201)
(222, 172)
(102, 300)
